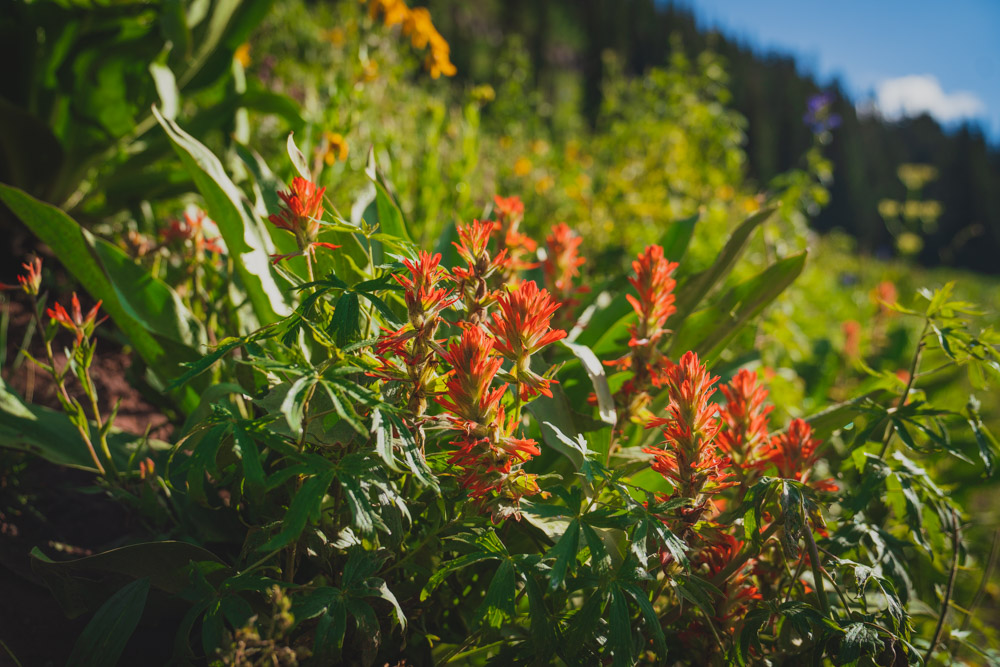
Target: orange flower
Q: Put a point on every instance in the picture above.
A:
(689, 459)
(793, 453)
(744, 419)
(470, 398)
(473, 248)
(655, 302)
(510, 213)
(192, 229)
(852, 338)
(509, 210)
(74, 320)
(562, 266)
(31, 281)
(522, 328)
(301, 216)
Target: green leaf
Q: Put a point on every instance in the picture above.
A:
(346, 318)
(498, 605)
(859, 639)
(166, 88)
(390, 217)
(77, 584)
(52, 436)
(988, 447)
(305, 504)
(677, 237)
(708, 331)
(700, 285)
(620, 630)
(297, 158)
(107, 633)
(242, 230)
(650, 616)
(595, 371)
(448, 566)
(564, 552)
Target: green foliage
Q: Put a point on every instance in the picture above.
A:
(377, 458)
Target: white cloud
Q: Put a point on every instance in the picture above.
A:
(916, 94)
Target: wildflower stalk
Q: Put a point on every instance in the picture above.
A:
(68, 403)
(887, 438)
(817, 571)
(956, 538)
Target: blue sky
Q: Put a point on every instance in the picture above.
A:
(907, 55)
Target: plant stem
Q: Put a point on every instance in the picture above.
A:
(817, 571)
(955, 543)
(887, 438)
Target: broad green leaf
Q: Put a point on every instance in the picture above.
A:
(698, 287)
(305, 505)
(297, 158)
(498, 605)
(245, 237)
(677, 237)
(620, 630)
(166, 88)
(77, 584)
(448, 566)
(107, 633)
(708, 331)
(595, 371)
(650, 616)
(390, 217)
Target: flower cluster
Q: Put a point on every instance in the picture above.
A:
(193, 228)
(481, 264)
(562, 268)
(31, 281)
(522, 328)
(744, 423)
(520, 247)
(417, 25)
(301, 216)
(81, 325)
(487, 449)
(413, 343)
(689, 458)
(794, 453)
(653, 304)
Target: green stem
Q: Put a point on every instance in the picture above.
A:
(817, 571)
(887, 438)
(955, 544)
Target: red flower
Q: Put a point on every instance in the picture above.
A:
(738, 590)
(744, 419)
(793, 453)
(480, 266)
(690, 460)
(301, 216)
(522, 328)
(191, 229)
(470, 399)
(423, 298)
(852, 338)
(562, 265)
(74, 320)
(509, 210)
(31, 281)
(655, 302)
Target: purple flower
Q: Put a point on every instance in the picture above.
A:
(818, 116)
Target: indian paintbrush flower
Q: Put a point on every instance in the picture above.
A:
(794, 453)
(562, 268)
(301, 216)
(481, 264)
(31, 281)
(688, 458)
(74, 319)
(744, 422)
(522, 328)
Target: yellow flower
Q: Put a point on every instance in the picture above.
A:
(522, 167)
(336, 148)
(544, 184)
(334, 35)
(242, 54)
(370, 71)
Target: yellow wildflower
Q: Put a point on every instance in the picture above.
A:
(522, 167)
(336, 148)
(242, 54)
